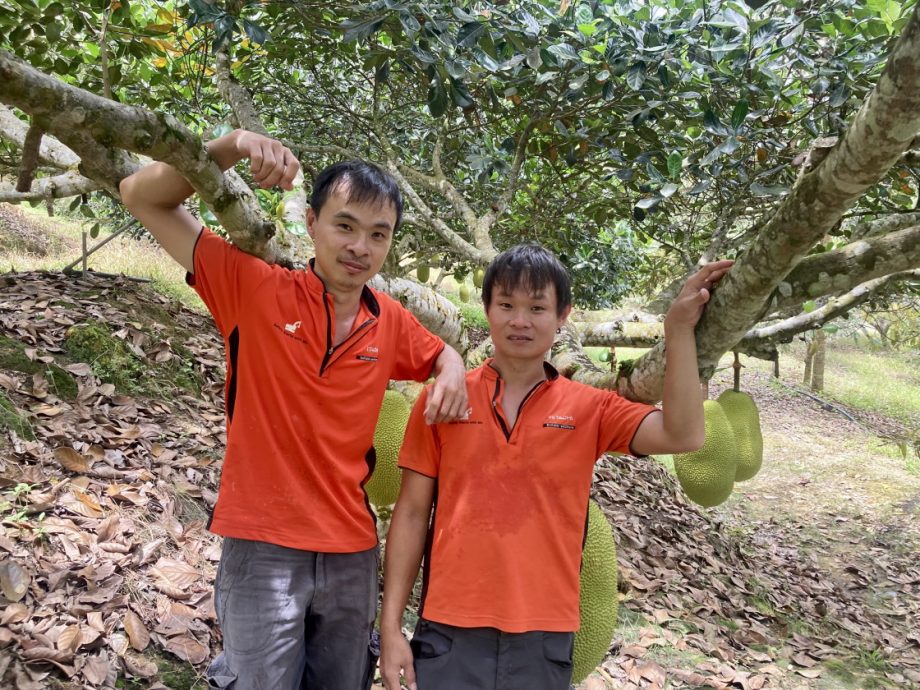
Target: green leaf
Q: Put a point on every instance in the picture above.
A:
(469, 34)
(648, 202)
(739, 113)
(583, 14)
(675, 164)
(409, 23)
(486, 60)
(636, 76)
(459, 94)
(668, 190)
(437, 97)
(809, 306)
(361, 30)
(256, 33)
(764, 34)
(713, 124)
(564, 52)
(830, 328)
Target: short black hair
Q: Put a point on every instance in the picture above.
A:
(529, 266)
(366, 182)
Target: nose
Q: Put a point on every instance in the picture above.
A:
(519, 319)
(358, 244)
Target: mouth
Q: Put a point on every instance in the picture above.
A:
(519, 338)
(354, 266)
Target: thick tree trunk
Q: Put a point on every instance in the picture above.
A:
(817, 371)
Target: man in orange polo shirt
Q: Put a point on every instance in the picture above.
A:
(510, 485)
(309, 354)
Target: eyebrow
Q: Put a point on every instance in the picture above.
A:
(345, 215)
(533, 295)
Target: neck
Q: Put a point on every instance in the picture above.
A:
(524, 373)
(344, 299)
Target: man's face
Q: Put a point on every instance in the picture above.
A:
(524, 324)
(351, 239)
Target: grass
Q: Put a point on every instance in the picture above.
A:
(11, 418)
(13, 357)
(138, 257)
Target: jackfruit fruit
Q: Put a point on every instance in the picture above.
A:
(383, 487)
(423, 272)
(708, 474)
(478, 276)
(598, 597)
(464, 292)
(742, 414)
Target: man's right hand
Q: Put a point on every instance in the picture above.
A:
(154, 194)
(271, 162)
(396, 659)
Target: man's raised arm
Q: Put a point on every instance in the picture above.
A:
(154, 194)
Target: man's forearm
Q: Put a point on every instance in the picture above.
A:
(161, 185)
(682, 401)
(405, 544)
(448, 358)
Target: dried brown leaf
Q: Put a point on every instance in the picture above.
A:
(96, 669)
(188, 648)
(14, 580)
(71, 460)
(137, 631)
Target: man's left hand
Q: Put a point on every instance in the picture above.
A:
(447, 398)
(687, 308)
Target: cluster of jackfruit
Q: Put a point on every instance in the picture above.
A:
(383, 487)
(732, 452)
(598, 599)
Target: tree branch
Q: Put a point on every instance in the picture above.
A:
(29, 162)
(58, 187)
(783, 331)
(51, 152)
(840, 270)
(82, 119)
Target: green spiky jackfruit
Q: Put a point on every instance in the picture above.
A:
(708, 474)
(464, 291)
(598, 600)
(742, 414)
(383, 487)
(423, 272)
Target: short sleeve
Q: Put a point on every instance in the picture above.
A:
(224, 276)
(418, 348)
(620, 419)
(421, 448)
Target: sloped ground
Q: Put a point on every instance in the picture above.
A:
(110, 439)
(106, 486)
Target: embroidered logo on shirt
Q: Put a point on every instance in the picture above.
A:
(291, 327)
(560, 421)
(370, 354)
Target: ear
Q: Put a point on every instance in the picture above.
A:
(565, 315)
(311, 218)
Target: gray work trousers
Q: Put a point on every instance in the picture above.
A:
(294, 620)
(451, 658)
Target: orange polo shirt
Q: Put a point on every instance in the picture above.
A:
(300, 412)
(511, 503)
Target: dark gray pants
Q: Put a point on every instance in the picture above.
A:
(451, 658)
(294, 620)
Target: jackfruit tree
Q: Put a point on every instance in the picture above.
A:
(596, 129)
(383, 487)
(707, 475)
(598, 597)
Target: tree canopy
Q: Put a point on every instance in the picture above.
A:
(636, 139)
